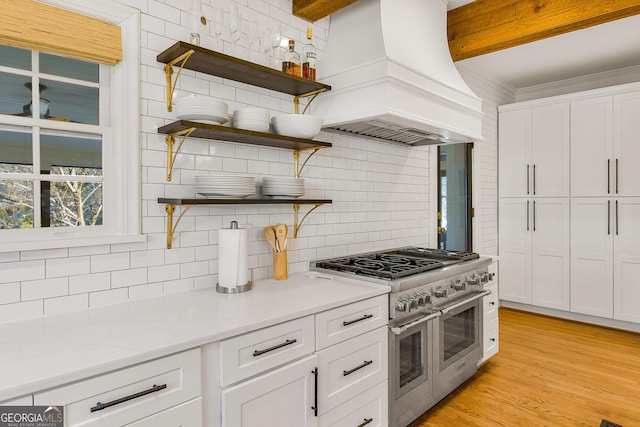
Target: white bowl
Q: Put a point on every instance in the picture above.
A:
(297, 125)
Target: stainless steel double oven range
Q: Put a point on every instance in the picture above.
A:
(435, 325)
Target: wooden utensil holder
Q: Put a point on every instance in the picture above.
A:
(280, 267)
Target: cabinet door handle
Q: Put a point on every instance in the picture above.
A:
(366, 421)
(527, 215)
(100, 406)
(315, 392)
(608, 217)
(351, 322)
(527, 179)
(608, 176)
(534, 179)
(275, 347)
(616, 176)
(492, 339)
(617, 218)
(351, 371)
(534, 214)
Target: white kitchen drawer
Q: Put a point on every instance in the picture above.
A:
(179, 372)
(370, 407)
(490, 339)
(188, 414)
(342, 323)
(491, 303)
(351, 367)
(19, 401)
(256, 352)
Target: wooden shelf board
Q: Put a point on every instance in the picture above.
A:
(225, 133)
(228, 67)
(265, 201)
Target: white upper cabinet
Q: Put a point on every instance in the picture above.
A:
(626, 140)
(549, 172)
(514, 136)
(592, 160)
(534, 151)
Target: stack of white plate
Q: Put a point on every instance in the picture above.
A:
(225, 186)
(252, 118)
(283, 187)
(202, 108)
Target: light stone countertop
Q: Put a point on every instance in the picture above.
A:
(53, 350)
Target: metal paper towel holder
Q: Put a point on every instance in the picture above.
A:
(240, 288)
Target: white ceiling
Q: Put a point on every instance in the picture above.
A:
(597, 49)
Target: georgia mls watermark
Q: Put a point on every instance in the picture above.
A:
(31, 416)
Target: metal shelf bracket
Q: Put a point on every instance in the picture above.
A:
(171, 140)
(296, 159)
(168, 71)
(296, 223)
(296, 99)
(171, 227)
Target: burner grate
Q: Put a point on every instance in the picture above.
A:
(384, 266)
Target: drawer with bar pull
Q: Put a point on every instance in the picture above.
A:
(246, 355)
(341, 323)
(130, 394)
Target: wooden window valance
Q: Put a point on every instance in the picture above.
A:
(32, 25)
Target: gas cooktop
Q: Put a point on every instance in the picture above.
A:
(396, 263)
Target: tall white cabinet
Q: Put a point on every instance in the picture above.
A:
(571, 239)
(534, 204)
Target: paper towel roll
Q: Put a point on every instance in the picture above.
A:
(233, 257)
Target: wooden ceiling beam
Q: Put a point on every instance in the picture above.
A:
(313, 10)
(486, 26)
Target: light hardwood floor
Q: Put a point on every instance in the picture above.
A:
(549, 372)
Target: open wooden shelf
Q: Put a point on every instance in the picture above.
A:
(226, 133)
(261, 201)
(228, 67)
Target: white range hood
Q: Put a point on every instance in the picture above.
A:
(392, 76)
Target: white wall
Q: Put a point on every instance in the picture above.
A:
(380, 193)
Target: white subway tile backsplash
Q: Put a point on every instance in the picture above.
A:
(23, 270)
(66, 304)
(163, 272)
(89, 283)
(44, 254)
(46, 288)
(72, 266)
(21, 311)
(110, 262)
(9, 293)
(130, 277)
(150, 290)
(110, 297)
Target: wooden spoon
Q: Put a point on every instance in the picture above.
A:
(281, 235)
(270, 235)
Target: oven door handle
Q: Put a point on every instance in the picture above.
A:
(466, 301)
(400, 329)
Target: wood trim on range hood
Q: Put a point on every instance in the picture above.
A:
(486, 26)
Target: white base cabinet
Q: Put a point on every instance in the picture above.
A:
(276, 376)
(282, 397)
(534, 251)
(188, 414)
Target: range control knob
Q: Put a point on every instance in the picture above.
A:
(440, 292)
(401, 306)
(473, 280)
(458, 285)
(422, 300)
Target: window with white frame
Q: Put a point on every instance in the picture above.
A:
(52, 138)
(69, 143)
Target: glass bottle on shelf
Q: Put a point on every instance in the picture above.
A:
(309, 58)
(291, 60)
(195, 22)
